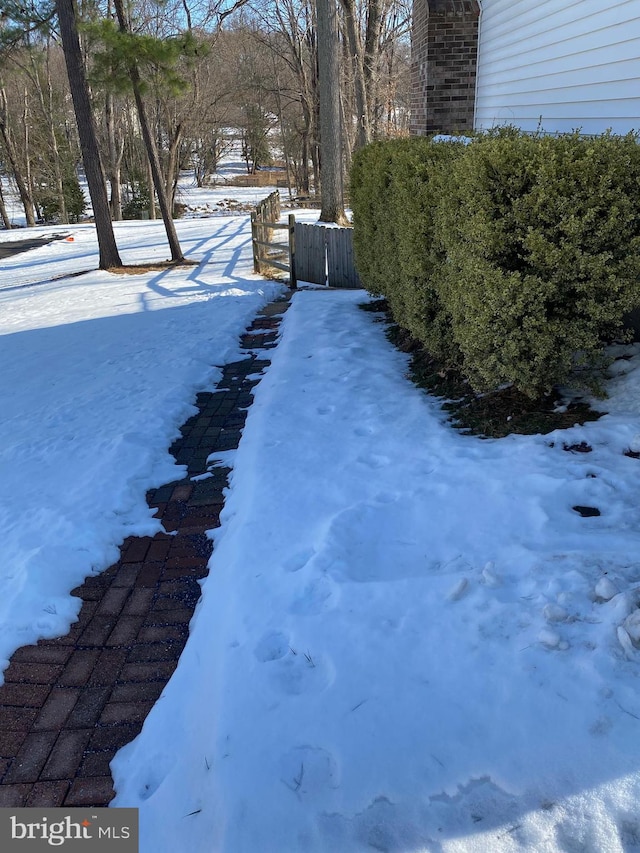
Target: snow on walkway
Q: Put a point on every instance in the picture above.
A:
(408, 639)
(98, 372)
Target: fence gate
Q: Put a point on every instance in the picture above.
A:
(318, 254)
(323, 255)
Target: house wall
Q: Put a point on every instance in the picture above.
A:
(559, 65)
(444, 46)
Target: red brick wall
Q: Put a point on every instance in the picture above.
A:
(444, 49)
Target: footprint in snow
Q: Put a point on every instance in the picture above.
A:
(374, 460)
(386, 497)
(601, 726)
(301, 672)
(317, 597)
(298, 560)
(364, 431)
(629, 831)
(273, 646)
(309, 770)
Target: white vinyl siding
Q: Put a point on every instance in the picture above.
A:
(559, 65)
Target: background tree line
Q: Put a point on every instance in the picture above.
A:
(205, 76)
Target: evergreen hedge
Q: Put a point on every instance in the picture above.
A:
(515, 257)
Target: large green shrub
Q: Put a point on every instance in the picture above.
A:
(394, 201)
(416, 172)
(542, 239)
(374, 228)
(515, 257)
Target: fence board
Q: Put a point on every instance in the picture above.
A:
(310, 253)
(278, 265)
(340, 264)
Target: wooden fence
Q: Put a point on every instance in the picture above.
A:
(270, 255)
(324, 255)
(314, 253)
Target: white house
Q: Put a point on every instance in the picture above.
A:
(560, 64)
(553, 64)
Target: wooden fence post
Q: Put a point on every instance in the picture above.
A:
(293, 281)
(254, 244)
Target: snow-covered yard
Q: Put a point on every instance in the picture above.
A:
(98, 372)
(408, 640)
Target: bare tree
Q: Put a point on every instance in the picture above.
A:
(115, 149)
(24, 190)
(363, 123)
(44, 92)
(288, 29)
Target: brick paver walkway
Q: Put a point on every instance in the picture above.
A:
(69, 704)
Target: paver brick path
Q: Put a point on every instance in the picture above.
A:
(67, 705)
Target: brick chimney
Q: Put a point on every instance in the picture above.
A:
(444, 50)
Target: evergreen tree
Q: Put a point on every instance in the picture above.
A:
(121, 65)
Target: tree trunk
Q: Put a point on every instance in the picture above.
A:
(26, 152)
(156, 172)
(173, 166)
(363, 123)
(152, 194)
(12, 157)
(150, 145)
(3, 211)
(285, 145)
(303, 180)
(116, 150)
(330, 125)
(94, 173)
(375, 20)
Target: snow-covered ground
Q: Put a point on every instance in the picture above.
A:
(98, 372)
(219, 197)
(408, 640)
